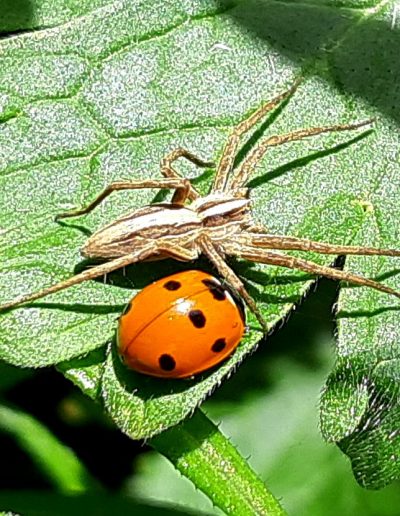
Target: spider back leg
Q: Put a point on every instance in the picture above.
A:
(255, 254)
(160, 248)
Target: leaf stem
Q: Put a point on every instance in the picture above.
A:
(203, 454)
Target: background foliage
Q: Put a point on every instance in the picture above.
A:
(95, 91)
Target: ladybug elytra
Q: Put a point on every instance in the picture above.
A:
(180, 325)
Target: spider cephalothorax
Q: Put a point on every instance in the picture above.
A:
(217, 225)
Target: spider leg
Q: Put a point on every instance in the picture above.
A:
(160, 248)
(226, 272)
(283, 242)
(180, 184)
(168, 171)
(229, 153)
(255, 254)
(242, 175)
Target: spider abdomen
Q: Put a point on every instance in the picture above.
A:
(136, 229)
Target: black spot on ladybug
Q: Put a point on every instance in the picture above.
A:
(172, 285)
(216, 290)
(167, 362)
(218, 345)
(197, 318)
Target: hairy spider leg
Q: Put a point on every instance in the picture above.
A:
(180, 183)
(241, 176)
(160, 247)
(230, 276)
(283, 242)
(182, 186)
(225, 165)
(167, 170)
(255, 254)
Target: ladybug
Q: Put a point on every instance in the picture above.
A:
(180, 325)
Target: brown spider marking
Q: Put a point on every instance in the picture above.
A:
(217, 225)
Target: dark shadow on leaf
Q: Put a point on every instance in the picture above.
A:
(304, 161)
(83, 229)
(95, 357)
(362, 51)
(16, 16)
(246, 270)
(163, 195)
(78, 308)
(147, 387)
(139, 275)
(259, 132)
(268, 298)
(9, 114)
(387, 275)
(202, 177)
(379, 278)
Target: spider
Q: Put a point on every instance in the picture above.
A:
(217, 225)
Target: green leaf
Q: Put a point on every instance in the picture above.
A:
(203, 454)
(106, 95)
(269, 411)
(143, 406)
(368, 430)
(20, 15)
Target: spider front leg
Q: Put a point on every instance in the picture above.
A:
(160, 249)
(179, 184)
(225, 165)
(167, 170)
(242, 175)
(226, 272)
(258, 255)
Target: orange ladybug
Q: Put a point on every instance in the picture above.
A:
(180, 325)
